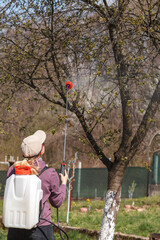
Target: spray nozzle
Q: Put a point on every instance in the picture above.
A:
(68, 85)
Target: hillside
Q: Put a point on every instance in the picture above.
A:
(23, 116)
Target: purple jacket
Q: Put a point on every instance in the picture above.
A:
(52, 190)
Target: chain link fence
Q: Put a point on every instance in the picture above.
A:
(2, 182)
(92, 182)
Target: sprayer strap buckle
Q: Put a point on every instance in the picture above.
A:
(45, 168)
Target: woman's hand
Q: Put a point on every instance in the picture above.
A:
(64, 178)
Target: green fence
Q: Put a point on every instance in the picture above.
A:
(2, 182)
(92, 182)
(141, 177)
(156, 169)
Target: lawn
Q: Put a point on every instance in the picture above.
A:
(131, 221)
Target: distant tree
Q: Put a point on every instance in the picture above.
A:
(111, 54)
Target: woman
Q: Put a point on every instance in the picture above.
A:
(33, 148)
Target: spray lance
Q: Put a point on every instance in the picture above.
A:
(68, 85)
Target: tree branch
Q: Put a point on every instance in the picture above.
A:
(96, 7)
(147, 119)
(90, 138)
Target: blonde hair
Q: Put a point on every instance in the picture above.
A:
(32, 163)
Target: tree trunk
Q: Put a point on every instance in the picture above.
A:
(112, 202)
(111, 209)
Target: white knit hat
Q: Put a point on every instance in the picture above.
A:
(32, 145)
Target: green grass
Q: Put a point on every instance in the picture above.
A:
(140, 223)
(3, 234)
(90, 220)
(131, 222)
(1, 206)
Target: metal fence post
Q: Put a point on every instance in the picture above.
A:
(79, 179)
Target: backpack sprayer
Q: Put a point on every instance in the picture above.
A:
(68, 86)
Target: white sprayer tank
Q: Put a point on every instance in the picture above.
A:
(22, 197)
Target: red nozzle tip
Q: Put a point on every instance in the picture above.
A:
(68, 85)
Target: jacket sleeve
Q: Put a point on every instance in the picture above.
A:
(58, 191)
(11, 171)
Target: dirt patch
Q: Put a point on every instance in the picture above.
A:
(131, 208)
